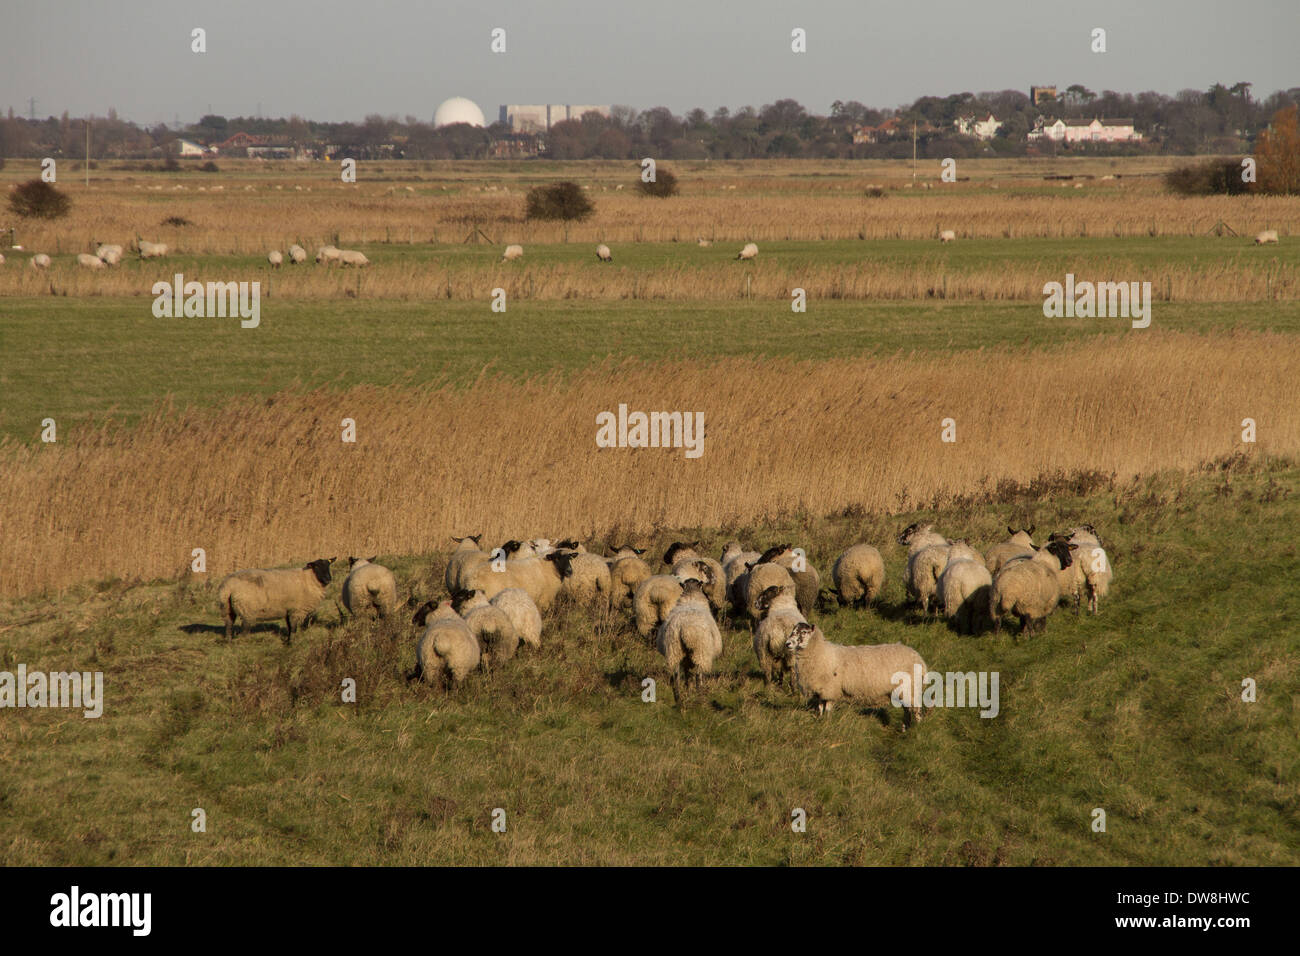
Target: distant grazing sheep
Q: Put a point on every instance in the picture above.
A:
(88, 261)
(917, 536)
(297, 255)
(1268, 235)
(703, 243)
(151, 250)
(603, 253)
(276, 258)
(512, 253)
(350, 257)
(40, 261)
(947, 236)
(492, 628)
(327, 255)
(749, 252)
(111, 254)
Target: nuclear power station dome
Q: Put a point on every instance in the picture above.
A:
(458, 110)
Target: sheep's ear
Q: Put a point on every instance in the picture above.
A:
(372, 560)
(1030, 532)
(1011, 531)
(351, 561)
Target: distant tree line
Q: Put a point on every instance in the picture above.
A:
(1222, 119)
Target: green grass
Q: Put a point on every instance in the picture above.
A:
(76, 359)
(1136, 711)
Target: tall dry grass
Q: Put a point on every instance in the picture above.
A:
(267, 481)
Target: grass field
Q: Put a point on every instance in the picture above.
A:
(823, 428)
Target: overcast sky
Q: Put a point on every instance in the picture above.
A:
(331, 60)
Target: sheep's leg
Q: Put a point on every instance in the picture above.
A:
(230, 626)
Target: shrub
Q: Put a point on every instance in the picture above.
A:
(664, 185)
(1212, 177)
(176, 221)
(171, 164)
(37, 199)
(210, 167)
(1278, 152)
(564, 201)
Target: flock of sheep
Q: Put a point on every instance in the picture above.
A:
(105, 255)
(497, 599)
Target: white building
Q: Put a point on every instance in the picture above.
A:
(539, 119)
(187, 147)
(985, 128)
(1098, 131)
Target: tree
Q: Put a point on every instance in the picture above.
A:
(663, 186)
(565, 201)
(37, 199)
(1277, 152)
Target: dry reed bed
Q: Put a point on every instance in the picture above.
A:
(267, 481)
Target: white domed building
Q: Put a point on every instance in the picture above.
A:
(458, 110)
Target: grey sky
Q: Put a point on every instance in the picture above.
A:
(331, 60)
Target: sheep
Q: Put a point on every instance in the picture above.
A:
(859, 575)
(491, 626)
(603, 254)
(537, 576)
(947, 236)
(923, 570)
(703, 243)
(826, 672)
(778, 614)
(1030, 588)
(689, 638)
(447, 651)
(512, 253)
(807, 582)
(297, 255)
(276, 258)
(150, 250)
(522, 611)
(655, 597)
(683, 557)
(1268, 235)
(735, 563)
(917, 536)
(2, 259)
(40, 261)
(350, 257)
(749, 252)
(1020, 544)
(369, 586)
(110, 253)
(761, 576)
(467, 555)
(1091, 565)
(259, 595)
(89, 261)
(584, 578)
(963, 590)
(327, 255)
(625, 575)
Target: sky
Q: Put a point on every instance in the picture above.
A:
(335, 60)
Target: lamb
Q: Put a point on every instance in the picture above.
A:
(297, 255)
(749, 252)
(369, 586)
(1030, 588)
(512, 253)
(963, 590)
(778, 614)
(350, 257)
(1268, 235)
(656, 596)
(859, 575)
(603, 254)
(917, 536)
(1020, 544)
(826, 672)
(276, 258)
(584, 577)
(625, 575)
(447, 651)
(40, 261)
(467, 556)
(89, 261)
(491, 626)
(110, 253)
(151, 250)
(327, 255)
(259, 595)
(947, 236)
(689, 638)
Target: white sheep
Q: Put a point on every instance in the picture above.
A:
(512, 253)
(917, 536)
(151, 250)
(260, 595)
(491, 626)
(297, 255)
(538, 577)
(1091, 566)
(703, 243)
(111, 254)
(947, 236)
(584, 578)
(1268, 235)
(778, 614)
(735, 561)
(923, 570)
(963, 590)
(603, 253)
(447, 651)
(760, 577)
(327, 255)
(655, 597)
(40, 261)
(826, 672)
(276, 258)
(1030, 588)
(88, 261)
(689, 638)
(807, 582)
(350, 257)
(749, 252)
(625, 575)
(522, 611)
(369, 586)
(1020, 544)
(467, 555)
(859, 575)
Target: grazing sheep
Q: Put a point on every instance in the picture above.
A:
(735, 563)
(749, 252)
(491, 627)
(327, 255)
(150, 250)
(603, 254)
(468, 555)
(778, 614)
(40, 261)
(259, 595)
(964, 593)
(512, 253)
(1020, 544)
(537, 576)
(761, 576)
(1268, 235)
(111, 254)
(276, 258)
(369, 586)
(656, 596)
(297, 255)
(1093, 571)
(947, 236)
(859, 575)
(89, 261)
(625, 575)
(689, 638)
(703, 243)
(447, 651)
(917, 536)
(350, 257)
(923, 570)
(584, 578)
(1030, 588)
(522, 611)
(826, 672)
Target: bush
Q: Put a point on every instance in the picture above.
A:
(1212, 177)
(664, 185)
(210, 167)
(37, 199)
(564, 201)
(170, 164)
(176, 221)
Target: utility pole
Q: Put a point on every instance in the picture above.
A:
(31, 108)
(87, 150)
(913, 150)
